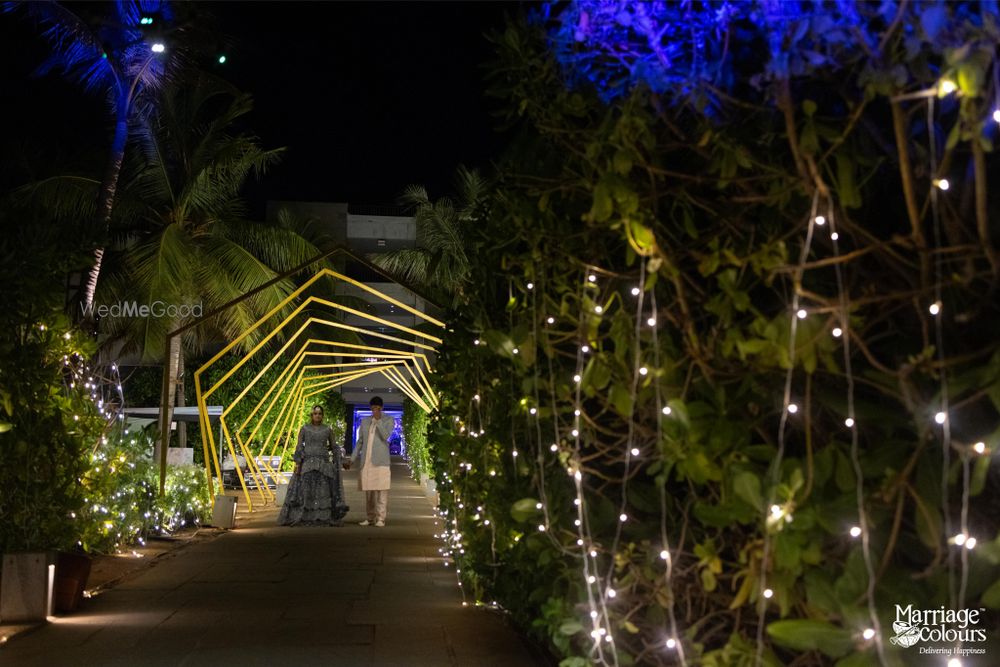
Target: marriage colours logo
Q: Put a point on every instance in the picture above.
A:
(941, 625)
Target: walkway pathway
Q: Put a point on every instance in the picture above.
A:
(265, 595)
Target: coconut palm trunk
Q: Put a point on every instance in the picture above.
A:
(181, 425)
(106, 197)
(174, 364)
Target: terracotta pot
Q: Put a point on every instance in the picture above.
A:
(72, 571)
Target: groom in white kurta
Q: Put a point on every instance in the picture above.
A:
(372, 454)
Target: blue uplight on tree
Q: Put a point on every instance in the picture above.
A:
(693, 51)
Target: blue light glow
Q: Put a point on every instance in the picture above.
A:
(693, 50)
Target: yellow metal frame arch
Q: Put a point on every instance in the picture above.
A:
(308, 380)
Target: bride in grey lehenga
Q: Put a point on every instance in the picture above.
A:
(316, 492)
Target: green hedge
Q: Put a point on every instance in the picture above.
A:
(703, 216)
(415, 424)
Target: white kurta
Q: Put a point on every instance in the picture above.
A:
(372, 478)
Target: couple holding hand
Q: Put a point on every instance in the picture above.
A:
(316, 491)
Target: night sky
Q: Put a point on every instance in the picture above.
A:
(368, 97)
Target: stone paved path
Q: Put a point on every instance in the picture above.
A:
(267, 595)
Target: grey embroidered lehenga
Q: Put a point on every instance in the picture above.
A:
(316, 494)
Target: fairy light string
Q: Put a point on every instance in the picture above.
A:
(591, 567)
(935, 310)
(774, 474)
(673, 641)
(865, 534)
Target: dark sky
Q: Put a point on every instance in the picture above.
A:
(367, 96)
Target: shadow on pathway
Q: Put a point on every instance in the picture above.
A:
(269, 595)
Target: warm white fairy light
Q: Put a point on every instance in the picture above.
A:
(819, 220)
(530, 285)
(533, 411)
(834, 236)
(773, 477)
(651, 321)
(551, 320)
(947, 87)
(635, 291)
(623, 517)
(666, 410)
(592, 278)
(862, 527)
(837, 332)
(643, 371)
(793, 408)
(671, 643)
(515, 351)
(956, 599)
(598, 309)
(801, 313)
(585, 349)
(979, 448)
(996, 115)
(635, 451)
(940, 417)
(868, 634)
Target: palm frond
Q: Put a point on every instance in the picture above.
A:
(407, 265)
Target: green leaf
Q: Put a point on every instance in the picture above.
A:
(708, 580)
(602, 207)
(928, 522)
(621, 398)
(5, 426)
(747, 487)
(571, 627)
(859, 659)
(597, 375)
(524, 509)
(991, 596)
(811, 635)
(622, 162)
(642, 234)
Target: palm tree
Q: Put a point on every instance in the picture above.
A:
(120, 56)
(182, 232)
(439, 264)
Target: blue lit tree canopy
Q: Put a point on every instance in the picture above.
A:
(697, 50)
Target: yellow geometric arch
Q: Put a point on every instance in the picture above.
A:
(407, 368)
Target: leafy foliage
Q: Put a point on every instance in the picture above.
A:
(439, 263)
(123, 505)
(694, 215)
(415, 423)
(47, 421)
